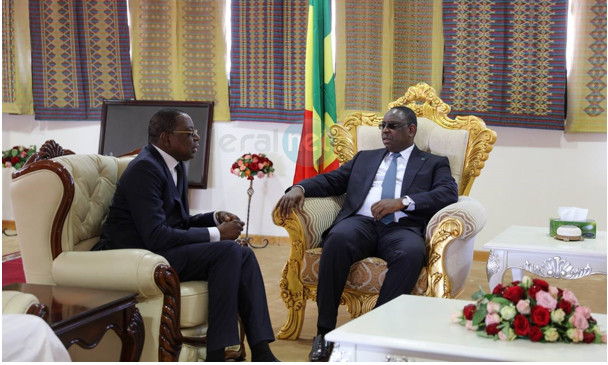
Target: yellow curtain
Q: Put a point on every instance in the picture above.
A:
(16, 64)
(587, 78)
(383, 48)
(179, 51)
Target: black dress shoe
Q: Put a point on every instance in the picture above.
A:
(321, 349)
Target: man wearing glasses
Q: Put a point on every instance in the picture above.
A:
(150, 211)
(391, 194)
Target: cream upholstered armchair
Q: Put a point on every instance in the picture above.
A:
(450, 233)
(60, 201)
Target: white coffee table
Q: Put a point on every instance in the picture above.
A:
(531, 249)
(420, 327)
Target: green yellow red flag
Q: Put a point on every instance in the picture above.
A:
(315, 154)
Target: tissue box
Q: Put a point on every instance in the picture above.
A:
(587, 227)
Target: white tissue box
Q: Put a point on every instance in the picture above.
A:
(587, 227)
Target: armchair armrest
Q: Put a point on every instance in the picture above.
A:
(449, 264)
(16, 302)
(125, 269)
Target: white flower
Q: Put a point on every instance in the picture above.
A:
(558, 315)
(526, 282)
(551, 334)
(508, 312)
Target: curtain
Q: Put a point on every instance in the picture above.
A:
(587, 77)
(179, 51)
(16, 66)
(268, 53)
(505, 62)
(383, 48)
(80, 56)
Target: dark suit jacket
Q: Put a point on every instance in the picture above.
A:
(427, 181)
(147, 212)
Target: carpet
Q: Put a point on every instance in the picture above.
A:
(12, 269)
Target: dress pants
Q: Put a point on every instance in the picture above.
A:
(236, 287)
(355, 238)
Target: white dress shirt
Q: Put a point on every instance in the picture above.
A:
(375, 192)
(214, 232)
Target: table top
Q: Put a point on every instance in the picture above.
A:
(526, 238)
(421, 327)
(69, 304)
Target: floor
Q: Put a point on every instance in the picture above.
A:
(590, 291)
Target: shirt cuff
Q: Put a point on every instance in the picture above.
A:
(301, 187)
(412, 204)
(214, 234)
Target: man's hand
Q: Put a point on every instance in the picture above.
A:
(222, 217)
(230, 230)
(293, 198)
(386, 206)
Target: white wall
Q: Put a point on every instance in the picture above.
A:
(528, 175)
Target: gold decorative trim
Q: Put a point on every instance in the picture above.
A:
(292, 288)
(438, 282)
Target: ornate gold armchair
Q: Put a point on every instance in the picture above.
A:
(450, 233)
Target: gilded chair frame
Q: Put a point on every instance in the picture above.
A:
(433, 280)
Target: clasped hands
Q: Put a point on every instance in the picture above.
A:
(294, 198)
(230, 225)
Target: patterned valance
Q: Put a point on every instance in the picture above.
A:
(179, 51)
(268, 53)
(505, 61)
(80, 56)
(383, 48)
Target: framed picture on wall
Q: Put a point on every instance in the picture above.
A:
(124, 128)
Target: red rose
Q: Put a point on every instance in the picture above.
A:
(514, 293)
(533, 290)
(541, 283)
(468, 311)
(492, 329)
(535, 334)
(588, 337)
(498, 289)
(15, 160)
(235, 166)
(521, 325)
(565, 305)
(540, 315)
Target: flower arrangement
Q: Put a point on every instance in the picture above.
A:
(252, 165)
(17, 156)
(531, 309)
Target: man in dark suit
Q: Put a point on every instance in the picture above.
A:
(150, 211)
(391, 194)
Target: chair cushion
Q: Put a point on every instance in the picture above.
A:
(195, 303)
(366, 275)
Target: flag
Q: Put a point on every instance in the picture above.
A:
(315, 154)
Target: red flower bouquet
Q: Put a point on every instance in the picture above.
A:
(531, 309)
(252, 165)
(17, 156)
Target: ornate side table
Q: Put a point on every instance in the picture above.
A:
(531, 249)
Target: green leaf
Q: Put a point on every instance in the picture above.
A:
(14, 152)
(501, 301)
(478, 294)
(479, 315)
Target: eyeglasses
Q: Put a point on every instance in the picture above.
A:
(391, 126)
(190, 133)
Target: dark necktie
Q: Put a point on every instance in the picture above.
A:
(388, 186)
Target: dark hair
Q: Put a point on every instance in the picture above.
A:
(163, 120)
(410, 116)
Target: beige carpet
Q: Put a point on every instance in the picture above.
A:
(591, 291)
